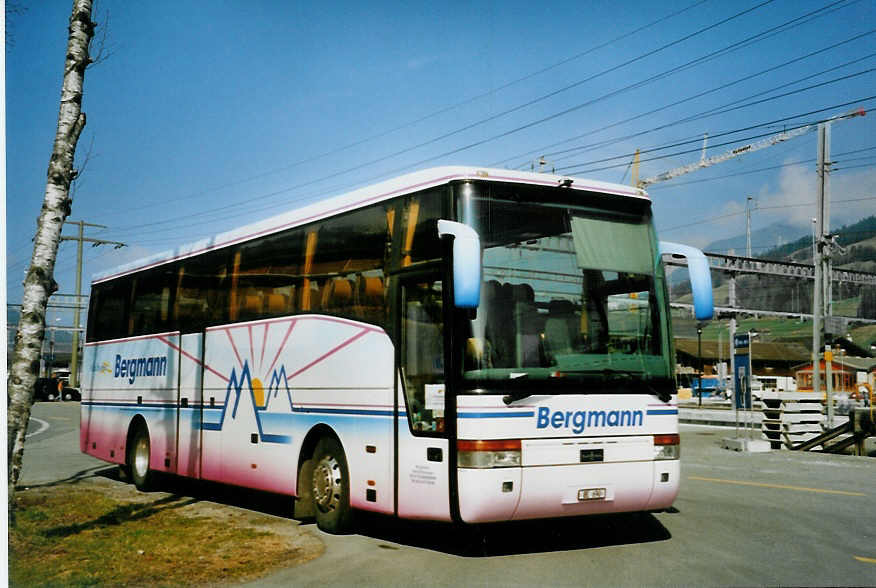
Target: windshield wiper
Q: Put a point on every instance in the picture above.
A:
(515, 396)
(610, 374)
(626, 376)
(643, 378)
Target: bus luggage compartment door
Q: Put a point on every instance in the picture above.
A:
(189, 405)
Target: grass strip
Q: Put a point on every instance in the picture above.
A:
(79, 536)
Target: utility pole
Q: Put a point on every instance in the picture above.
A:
(821, 261)
(80, 239)
(748, 226)
(732, 340)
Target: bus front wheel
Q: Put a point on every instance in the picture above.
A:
(331, 488)
(138, 459)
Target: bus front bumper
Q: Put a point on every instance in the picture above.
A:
(533, 492)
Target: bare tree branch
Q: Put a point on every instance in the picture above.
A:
(12, 9)
(103, 49)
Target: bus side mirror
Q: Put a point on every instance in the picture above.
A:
(700, 277)
(466, 263)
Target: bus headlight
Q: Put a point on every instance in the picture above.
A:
(503, 453)
(667, 446)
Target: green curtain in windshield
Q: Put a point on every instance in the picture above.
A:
(612, 245)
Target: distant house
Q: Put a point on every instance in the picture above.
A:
(847, 374)
(768, 359)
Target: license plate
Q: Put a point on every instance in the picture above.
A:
(591, 494)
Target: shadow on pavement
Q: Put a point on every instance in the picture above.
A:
(202, 490)
(98, 470)
(516, 538)
(487, 540)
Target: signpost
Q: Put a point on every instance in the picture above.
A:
(742, 374)
(742, 394)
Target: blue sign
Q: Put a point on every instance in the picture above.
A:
(740, 340)
(742, 381)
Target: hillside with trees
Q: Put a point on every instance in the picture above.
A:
(794, 295)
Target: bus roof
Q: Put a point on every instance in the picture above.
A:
(358, 198)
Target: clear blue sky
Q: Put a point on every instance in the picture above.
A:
(207, 115)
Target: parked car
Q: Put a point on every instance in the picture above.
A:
(68, 393)
(50, 389)
(47, 389)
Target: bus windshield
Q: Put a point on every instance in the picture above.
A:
(572, 291)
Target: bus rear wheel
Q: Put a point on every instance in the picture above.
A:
(139, 452)
(331, 488)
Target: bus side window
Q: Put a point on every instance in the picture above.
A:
(422, 356)
(419, 236)
(200, 299)
(150, 303)
(109, 302)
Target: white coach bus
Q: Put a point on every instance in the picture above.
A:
(456, 344)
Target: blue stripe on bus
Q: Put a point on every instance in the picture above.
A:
(270, 438)
(347, 411)
(661, 411)
(495, 415)
(173, 406)
(133, 405)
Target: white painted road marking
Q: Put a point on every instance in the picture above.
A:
(43, 426)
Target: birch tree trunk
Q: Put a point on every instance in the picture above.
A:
(39, 283)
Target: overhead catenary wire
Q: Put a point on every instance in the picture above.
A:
(218, 212)
(437, 112)
(713, 219)
(591, 170)
(773, 30)
(221, 211)
(606, 142)
(783, 26)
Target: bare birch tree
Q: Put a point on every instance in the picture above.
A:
(39, 283)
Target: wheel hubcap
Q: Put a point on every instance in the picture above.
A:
(141, 457)
(327, 484)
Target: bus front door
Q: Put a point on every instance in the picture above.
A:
(423, 488)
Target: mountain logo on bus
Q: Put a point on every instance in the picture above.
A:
(243, 386)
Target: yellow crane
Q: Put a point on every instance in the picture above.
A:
(735, 152)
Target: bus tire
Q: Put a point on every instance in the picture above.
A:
(331, 488)
(139, 453)
(303, 506)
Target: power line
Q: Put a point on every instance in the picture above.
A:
(590, 102)
(607, 142)
(781, 28)
(440, 111)
(732, 214)
(859, 101)
(791, 23)
(221, 211)
(688, 99)
(736, 140)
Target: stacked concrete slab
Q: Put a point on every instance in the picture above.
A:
(791, 417)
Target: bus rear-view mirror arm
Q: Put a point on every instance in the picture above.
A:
(466, 262)
(700, 277)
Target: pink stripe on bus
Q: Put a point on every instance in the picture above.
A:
(329, 354)
(282, 345)
(193, 358)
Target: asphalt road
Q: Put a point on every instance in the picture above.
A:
(779, 518)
